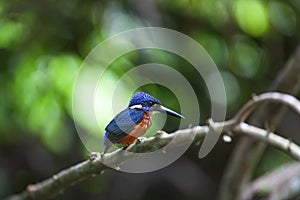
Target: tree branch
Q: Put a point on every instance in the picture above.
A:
(283, 183)
(275, 97)
(68, 177)
(270, 138)
(248, 152)
(94, 165)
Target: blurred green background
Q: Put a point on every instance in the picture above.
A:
(43, 43)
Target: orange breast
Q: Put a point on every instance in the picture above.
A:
(139, 130)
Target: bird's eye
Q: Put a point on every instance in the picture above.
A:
(150, 102)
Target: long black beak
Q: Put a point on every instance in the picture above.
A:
(162, 109)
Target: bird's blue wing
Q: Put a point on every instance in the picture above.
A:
(123, 124)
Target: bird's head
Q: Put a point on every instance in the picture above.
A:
(142, 100)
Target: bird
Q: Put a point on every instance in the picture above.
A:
(134, 120)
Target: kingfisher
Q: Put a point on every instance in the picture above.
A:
(134, 121)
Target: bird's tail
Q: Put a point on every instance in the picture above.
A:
(106, 143)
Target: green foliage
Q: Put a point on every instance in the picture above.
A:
(43, 89)
(43, 44)
(251, 16)
(11, 33)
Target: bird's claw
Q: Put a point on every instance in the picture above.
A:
(94, 155)
(139, 140)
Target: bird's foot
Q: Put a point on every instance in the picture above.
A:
(139, 140)
(94, 155)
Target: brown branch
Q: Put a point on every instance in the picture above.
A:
(275, 97)
(60, 181)
(283, 183)
(248, 152)
(270, 138)
(66, 178)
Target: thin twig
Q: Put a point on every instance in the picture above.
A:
(269, 97)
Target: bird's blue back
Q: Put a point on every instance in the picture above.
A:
(127, 120)
(123, 124)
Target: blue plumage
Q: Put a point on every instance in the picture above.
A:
(124, 123)
(136, 118)
(144, 99)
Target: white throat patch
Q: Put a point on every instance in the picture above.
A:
(135, 106)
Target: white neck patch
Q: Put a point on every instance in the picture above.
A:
(135, 106)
